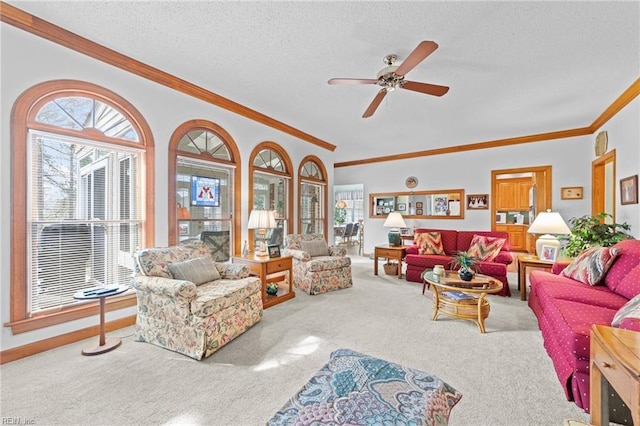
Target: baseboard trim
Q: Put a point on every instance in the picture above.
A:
(64, 339)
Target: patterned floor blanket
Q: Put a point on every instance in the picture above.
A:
(357, 389)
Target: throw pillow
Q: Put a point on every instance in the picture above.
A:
(199, 270)
(628, 316)
(591, 266)
(316, 248)
(485, 248)
(429, 243)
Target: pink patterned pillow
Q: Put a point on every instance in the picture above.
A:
(485, 248)
(628, 316)
(591, 266)
(429, 243)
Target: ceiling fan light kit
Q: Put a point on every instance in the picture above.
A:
(391, 77)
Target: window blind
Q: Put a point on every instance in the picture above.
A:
(85, 217)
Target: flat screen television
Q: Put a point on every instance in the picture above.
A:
(205, 191)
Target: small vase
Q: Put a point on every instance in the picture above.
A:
(465, 274)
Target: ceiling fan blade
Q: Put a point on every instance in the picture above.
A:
(429, 89)
(424, 49)
(375, 103)
(353, 81)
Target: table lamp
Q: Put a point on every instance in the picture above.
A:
(261, 220)
(548, 223)
(395, 221)
(183, 212)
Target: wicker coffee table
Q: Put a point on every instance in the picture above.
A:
(462, 299)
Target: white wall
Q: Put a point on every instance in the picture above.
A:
(28, 60)
(623, 132)
(570, 159)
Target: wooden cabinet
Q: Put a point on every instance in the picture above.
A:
(517, 236)
(513, 194)
(507, 199)
(530, 243)
(523, 194)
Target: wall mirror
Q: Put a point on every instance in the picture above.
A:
(440, 204)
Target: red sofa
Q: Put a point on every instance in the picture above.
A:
(566, 310)
(452, 242)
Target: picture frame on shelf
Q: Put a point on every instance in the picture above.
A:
(419, 212)
(629, 190)
(478, 202)
(402, 207)
(419, 205)
(273, 250)
(548, 253)
(571, 193)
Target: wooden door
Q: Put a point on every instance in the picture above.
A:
(603, 185)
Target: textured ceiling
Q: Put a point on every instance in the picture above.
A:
(514, 68)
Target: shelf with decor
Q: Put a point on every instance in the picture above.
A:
(437, 204)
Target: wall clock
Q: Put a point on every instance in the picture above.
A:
(411, 182)
(601, 143)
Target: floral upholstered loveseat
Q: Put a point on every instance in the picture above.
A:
(317, 267)
(190, 304)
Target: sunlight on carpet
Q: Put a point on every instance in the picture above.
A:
(307, 346)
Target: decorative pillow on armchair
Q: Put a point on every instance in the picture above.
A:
(429, 243)
(485, 248)
(629, 315)
(316, 248)
(199, 270)
(590, 266)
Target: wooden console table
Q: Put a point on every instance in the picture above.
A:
(276, 270)
(615, 362)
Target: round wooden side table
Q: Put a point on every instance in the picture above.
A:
(101, 293)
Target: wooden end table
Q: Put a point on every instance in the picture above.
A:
(471, 305)
(615, 362)
(271, 270)
(523, 263)
(104, 345)
(390, 253)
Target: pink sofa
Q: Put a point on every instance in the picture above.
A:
(566, 309)
(452, 242)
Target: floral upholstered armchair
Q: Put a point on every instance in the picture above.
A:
(317, 267)
(190, 304)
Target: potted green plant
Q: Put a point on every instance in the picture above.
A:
(593, 231)
(467, 264)
(339, 215)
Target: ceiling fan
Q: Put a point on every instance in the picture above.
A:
(391, 77)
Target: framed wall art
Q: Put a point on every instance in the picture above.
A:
(477, 201)
(571, 193)
(629, 190)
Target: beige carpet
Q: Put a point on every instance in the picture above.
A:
(505, 376)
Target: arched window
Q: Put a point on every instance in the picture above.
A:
(82, 161)
(204, 176)
(271, 189)
(312, 192)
